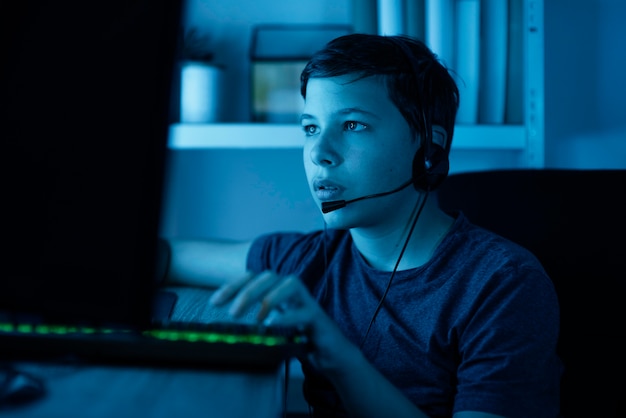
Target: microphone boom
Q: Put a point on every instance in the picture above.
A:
(338, 204)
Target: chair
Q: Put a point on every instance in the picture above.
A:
(574, 221)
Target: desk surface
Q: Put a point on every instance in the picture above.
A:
(88, 391)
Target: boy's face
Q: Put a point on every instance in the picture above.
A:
(357, 144)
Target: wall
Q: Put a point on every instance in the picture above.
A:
(585, 83)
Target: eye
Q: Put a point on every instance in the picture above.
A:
(354, 126)
(310, 129)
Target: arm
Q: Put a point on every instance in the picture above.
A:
(367, 393)
(205, 263)
(364, 391)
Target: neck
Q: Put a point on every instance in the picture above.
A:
(381, 246)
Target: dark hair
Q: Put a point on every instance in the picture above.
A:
(418, 84)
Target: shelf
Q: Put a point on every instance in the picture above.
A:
(258, 135)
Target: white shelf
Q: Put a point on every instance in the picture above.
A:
(257, 135)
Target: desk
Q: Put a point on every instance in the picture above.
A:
(92, 391)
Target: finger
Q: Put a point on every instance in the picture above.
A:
(301, 317)
(228, 291)
(289, 295)
(253, 292)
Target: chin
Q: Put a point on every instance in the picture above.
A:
(333, 220)
(339, 220)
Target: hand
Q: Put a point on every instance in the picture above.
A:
(285, 300)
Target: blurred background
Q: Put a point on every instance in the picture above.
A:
(542, 85)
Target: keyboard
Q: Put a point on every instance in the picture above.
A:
(216, 345)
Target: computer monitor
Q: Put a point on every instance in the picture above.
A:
(85, 109)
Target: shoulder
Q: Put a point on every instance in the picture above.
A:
(508, 321)
(483, 270)
(478, 248)
(281, 242)
(292, 252)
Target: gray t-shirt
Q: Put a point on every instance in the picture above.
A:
(475, 328)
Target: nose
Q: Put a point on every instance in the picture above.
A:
(324, 150)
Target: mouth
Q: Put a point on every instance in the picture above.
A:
(326, 190)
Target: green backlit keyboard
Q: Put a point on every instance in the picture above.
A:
(220, 345)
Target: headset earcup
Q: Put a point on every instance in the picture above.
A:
(430, 170)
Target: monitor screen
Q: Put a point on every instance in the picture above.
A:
(85, 112)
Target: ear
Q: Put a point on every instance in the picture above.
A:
(440, 136)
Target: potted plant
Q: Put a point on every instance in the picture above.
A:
(200, 80)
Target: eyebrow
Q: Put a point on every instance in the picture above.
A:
(346, 111)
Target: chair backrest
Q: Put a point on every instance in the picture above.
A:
(574, 221)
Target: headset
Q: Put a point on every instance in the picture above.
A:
(430, 164)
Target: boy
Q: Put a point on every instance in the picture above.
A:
(413, 312)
